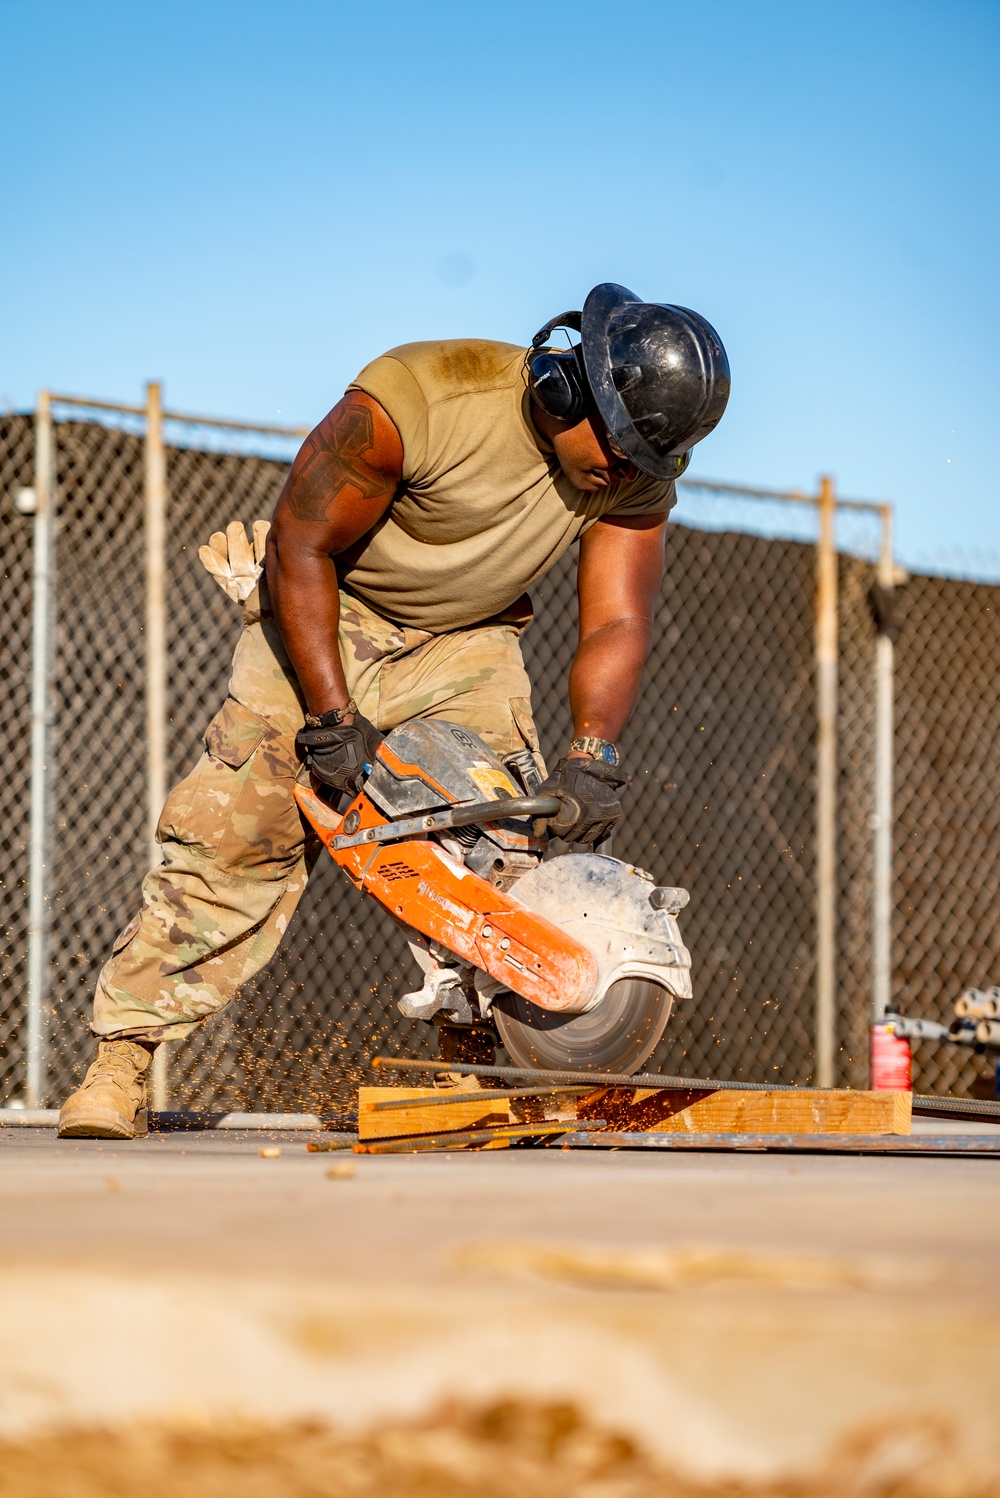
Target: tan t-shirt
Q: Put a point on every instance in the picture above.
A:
(484, 509)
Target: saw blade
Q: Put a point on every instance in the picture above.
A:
(617, 1035)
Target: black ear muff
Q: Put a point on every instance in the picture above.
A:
(556, 377)
(557, 382)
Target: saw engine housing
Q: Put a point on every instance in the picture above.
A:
(488, 917)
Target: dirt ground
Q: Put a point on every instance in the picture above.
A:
(496, 1451)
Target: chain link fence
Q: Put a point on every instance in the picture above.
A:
(722, 748)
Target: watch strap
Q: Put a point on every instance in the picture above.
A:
(333, 718)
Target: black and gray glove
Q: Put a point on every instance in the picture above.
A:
(337, 753)
(590, 806)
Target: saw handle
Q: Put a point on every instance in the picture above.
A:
(513, 806)
(451, 816)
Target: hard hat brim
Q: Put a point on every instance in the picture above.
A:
(605, 312)
(602, 303)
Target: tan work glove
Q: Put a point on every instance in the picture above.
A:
(232, 561)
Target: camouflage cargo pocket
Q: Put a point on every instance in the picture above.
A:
(234, 733)
(236, 806)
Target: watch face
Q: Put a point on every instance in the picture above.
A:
(601, 749)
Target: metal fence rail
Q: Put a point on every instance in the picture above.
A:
(18, 553)
(762, 749)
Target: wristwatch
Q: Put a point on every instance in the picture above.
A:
(601, 749)
(333, 718)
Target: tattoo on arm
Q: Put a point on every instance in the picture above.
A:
(331, 460)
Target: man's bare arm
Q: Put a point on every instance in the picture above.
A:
(618, 582)
(341, 484)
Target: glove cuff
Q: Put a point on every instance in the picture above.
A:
(610, 774)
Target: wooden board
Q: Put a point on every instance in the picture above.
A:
(639, 1110)
(472, 1109)
(801, 1111)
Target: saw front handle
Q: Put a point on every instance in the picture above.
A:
(466, 815)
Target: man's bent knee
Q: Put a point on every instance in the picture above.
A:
(201, 933)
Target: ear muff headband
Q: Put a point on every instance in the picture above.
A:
(572, 320)
(556, 378)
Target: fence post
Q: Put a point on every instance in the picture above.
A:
(826, 787)
(883, 818)
(41, 712)
(155, 487)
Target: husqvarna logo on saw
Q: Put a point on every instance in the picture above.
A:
(461, 917)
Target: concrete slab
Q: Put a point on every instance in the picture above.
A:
(735, 1314)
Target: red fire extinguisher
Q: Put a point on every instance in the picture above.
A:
(891, 1057)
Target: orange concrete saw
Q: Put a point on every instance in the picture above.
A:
(576, 959)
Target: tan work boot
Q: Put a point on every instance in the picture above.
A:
(111, 1104)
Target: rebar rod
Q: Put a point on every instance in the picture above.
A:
(598, 1078)
(982, 1107)
(415, 1143)
(970, 1107)
(483, 1094)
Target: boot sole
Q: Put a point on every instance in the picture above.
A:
(101, 1123)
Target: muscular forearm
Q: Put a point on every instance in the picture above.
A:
(604, 679)
(306, 602)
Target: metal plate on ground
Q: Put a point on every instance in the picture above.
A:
(836, 1144)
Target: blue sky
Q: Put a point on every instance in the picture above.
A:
(250, 200)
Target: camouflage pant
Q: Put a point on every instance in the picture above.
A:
(235, 849)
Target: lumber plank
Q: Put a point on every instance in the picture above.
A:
(803, 1111)
(472, 1108)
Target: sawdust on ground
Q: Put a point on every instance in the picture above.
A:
(505, 1450)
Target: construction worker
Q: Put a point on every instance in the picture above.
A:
(448, 480)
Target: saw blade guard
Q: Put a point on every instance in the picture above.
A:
(629, 926)
(625, 920)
